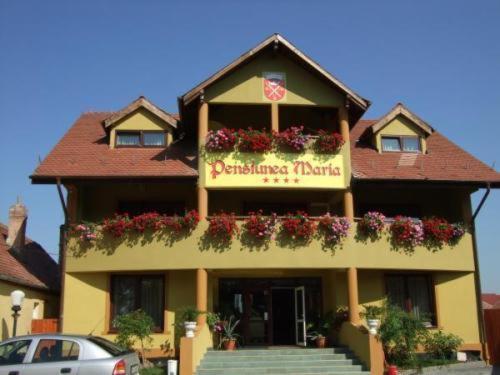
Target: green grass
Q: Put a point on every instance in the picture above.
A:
(152, 371)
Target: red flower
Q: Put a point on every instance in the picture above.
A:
(438, 231)
(298, 226)
(254, 141)
(328, 143)
(223, 226)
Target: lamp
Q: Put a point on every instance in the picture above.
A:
(16, 299)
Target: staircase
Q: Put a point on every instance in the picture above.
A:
(330, 361)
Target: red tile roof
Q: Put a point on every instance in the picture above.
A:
(28, 266)
(444, 161)
(84, 152)
(491, 300)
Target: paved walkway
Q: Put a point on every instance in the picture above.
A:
(470, 368)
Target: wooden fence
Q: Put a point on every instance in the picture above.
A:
(492, 326)
(44, 325)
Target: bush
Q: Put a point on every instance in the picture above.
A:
(442, 345)
(372, 312)
(190, 314)
(152, 371)
(134, 326)
(401, 333)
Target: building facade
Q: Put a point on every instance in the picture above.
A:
(325, 159)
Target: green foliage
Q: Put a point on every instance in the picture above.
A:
(400, 333)
(190, 314)
(372, 312)
(442, 345)
(152, 371)
(229, 328)
(323, 326)
(134, 326)
(212, 319)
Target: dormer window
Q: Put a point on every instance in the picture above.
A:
(140, 139)
(401, 144)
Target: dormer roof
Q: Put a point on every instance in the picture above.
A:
(140, 102)
(400, 110)
(277, 41)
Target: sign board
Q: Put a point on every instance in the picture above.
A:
(274, 86)
(292, 171)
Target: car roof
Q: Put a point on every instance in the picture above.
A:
(47, 336)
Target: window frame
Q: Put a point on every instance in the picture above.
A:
(40, 340)
(401, 139)
(141, 138)
(431, 285)
(138, 277)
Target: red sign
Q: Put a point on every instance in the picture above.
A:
(274, 86)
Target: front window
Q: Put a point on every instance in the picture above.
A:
(50, 350)
(140, 139)
(153, 139)
(412, 293)
(403, 143)
(391, 144)
(133, 292)
(128, 139)
(13, 353)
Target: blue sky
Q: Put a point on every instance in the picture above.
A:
(61, 58)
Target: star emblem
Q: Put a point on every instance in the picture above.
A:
(276, 180)
(265, 179)
(296, 180)
(286, 180)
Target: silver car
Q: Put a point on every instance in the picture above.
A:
(65, 354)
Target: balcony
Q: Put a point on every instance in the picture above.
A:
(160, 251)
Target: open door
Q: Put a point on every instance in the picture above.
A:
(300, 316)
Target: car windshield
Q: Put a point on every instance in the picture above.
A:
(13, 353)
(108, 346)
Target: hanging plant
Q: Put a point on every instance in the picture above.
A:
(291, 139)
(407, 232)
(335, 228)
(298, 226)
(458, 232)
(437, 231)
(117, 225)
(85, 231)
(220, 140)
(328, 143)
(251, 140)
(179, 224)
(259, 226)
(222, 226)
(372, 225)
(147, 220)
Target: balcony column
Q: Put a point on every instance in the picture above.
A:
(201, 294)
(202, 134)
(72, 203)
(352, 288)
(202, 202)
(348, 205)
(344, 123)
(275, 119)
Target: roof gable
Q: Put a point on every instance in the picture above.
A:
(276, 41)
(140, 102)
(400, 110)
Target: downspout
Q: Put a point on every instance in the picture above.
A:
(477, 277)
(62, 252)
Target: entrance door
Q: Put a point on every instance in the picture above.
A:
(283, 316)
(256, 316)
(300, 316)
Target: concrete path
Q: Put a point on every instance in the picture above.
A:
(470, 368)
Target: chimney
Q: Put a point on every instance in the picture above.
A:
(18, 216)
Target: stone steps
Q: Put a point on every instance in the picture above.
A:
(274, 361)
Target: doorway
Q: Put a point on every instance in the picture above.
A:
(283, 316)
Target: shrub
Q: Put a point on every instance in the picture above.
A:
(400, 333)
(335, 228)
(220, 140)
(259, 226)
(190, 314)
(251, 140)
(407, 232)
(372, 224)
(132, 327)
(372, 312)
(328, 143)
(298, 226)
(291, 139)
(223, 226)
(442, 345)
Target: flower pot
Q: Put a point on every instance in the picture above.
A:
(320, 342)
(373, 325)
(190, 327)
(230, 344)
(392, 370)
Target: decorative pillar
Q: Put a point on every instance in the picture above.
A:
(348, 205)
(275, 119)
(202, 122)
(202, 202)
(344, 123)
(202, 134)
(201, 294)
(352, 287)
(72, 203)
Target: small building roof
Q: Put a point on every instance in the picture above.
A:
(28, 266)
(400, 110)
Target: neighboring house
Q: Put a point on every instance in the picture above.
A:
(142, 159)
(491, 301)
(26, 266)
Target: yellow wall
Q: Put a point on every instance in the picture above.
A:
(400, 126)
(197, 251)
(141, 119)
(86, 297)
(245, 85)
(47, 308)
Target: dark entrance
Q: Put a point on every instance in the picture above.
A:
(266, 308)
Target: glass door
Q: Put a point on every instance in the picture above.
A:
(256, 316)
(300, 316)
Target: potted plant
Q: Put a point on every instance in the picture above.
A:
(372, 315)
(291, 139)
(188, 316)
(228, 335)
(319, 330)
(251, 140)
(328, 142)
(222, 140)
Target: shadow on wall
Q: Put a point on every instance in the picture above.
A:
(5, 330)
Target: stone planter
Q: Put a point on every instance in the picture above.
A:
(373, 325)
(190, 328)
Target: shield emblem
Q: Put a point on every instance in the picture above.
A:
(274, 86)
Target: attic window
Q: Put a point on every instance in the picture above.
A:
(140, 139)
(401, 143)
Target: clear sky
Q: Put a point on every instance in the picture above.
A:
(61, 58)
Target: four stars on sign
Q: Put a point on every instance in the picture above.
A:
(277, 180)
